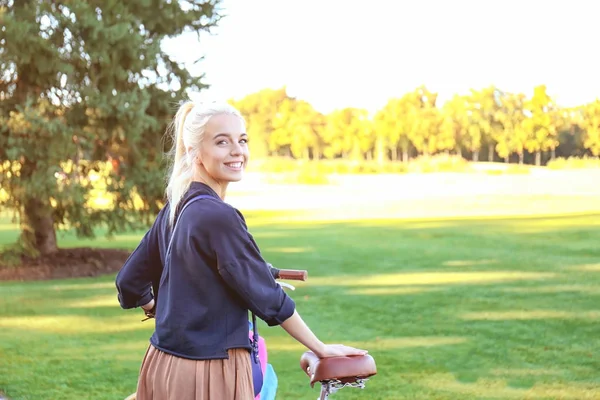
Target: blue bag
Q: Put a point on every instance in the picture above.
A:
(257, 375)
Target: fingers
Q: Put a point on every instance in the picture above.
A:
(340, 350)
(351, 351)
(358, 352)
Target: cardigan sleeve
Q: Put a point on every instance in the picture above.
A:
(135, 279)
(242, 267)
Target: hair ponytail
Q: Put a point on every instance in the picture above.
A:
(181, 174)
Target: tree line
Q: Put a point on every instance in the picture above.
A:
(487, 124)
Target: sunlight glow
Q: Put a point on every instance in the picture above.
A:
(529, 315)
(468, 263)
(526, 372)
(75, 324)
(586, 267)
(429, 278)
(555, 289)
(100, 301)
(84, 286)
(284, 344)
(391, 291)
(287, 249)
(496, 388)
(9, 227)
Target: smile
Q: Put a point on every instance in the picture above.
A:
(235, 165)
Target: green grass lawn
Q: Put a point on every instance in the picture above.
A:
(502, 308)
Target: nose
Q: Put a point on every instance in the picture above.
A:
(236, 149)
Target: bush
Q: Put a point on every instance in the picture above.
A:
(439, 163)
(574, 163)
(436, 163)
(273, 164)
(312, 172)
(517, 169)
(304, 173)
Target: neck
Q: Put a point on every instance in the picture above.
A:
(219, 187)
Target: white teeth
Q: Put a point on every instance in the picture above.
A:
(235, 165)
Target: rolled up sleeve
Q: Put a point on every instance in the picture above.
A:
(244, 270)
(134, 279)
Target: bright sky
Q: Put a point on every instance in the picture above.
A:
(339, 53)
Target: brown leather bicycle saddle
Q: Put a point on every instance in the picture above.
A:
(344, 369)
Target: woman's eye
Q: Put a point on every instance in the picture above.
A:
(244, 141)
(222, 142)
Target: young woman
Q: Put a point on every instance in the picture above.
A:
(201, 291)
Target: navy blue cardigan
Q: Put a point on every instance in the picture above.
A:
(215, 275)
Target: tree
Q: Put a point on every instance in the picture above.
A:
(393, 124)
(477, 126)
(297, 127)
(86, 86)
(344, 131)
(425, 121)
(541, 126)
(260, 109)
(591, 126)
(366, 137)
(511, 137)
(484, 126)
(455, 127)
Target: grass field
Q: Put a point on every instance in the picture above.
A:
(451, 308)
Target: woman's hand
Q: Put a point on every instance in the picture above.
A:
(339, 350)
(149, 310)
(148, 306)
(296, 327)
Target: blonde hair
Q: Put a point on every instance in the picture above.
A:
(187, 132)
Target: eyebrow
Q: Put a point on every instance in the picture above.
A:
(227, 135)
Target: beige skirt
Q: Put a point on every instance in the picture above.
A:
(167, 377)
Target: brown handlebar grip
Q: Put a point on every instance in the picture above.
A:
(293, 274)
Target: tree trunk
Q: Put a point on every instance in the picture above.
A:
(394, 154)
(476, 156)
(553, 154)
(379, 151)
(538, 158)
(521, 156)
(405, 157)
(37, 227)
(490, 152)
(317, 153)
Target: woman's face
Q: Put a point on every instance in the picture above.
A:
(224, 150)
